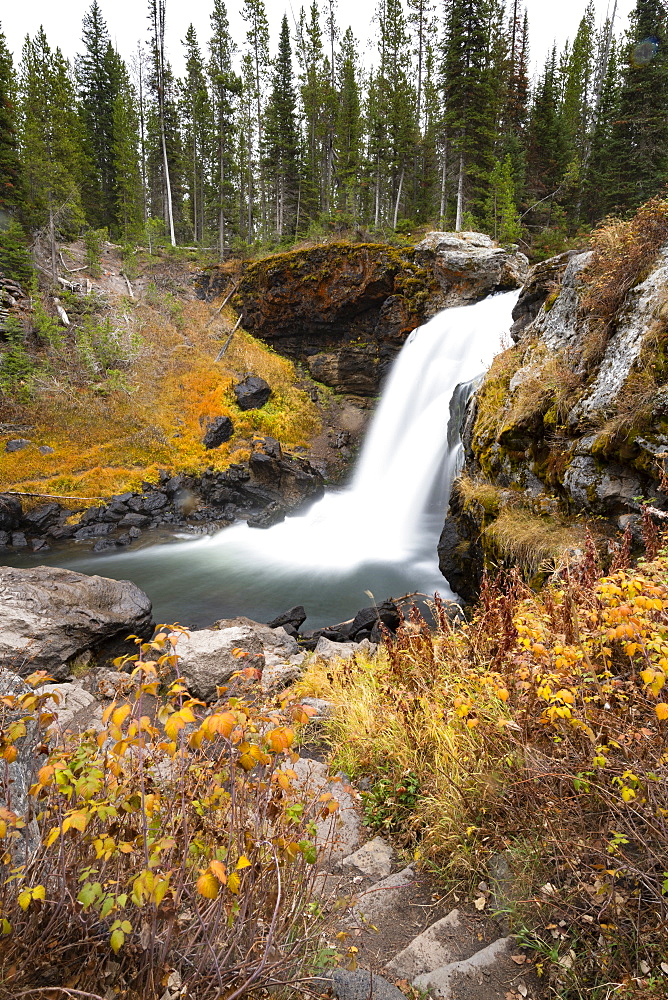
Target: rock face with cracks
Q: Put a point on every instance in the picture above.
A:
(50, 616)
(345, 309)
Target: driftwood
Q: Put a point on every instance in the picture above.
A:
(64, 318)
(221, 307)
(127, 282)
(47, 496)
(227, 342)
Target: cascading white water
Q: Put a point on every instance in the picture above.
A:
(379, 534)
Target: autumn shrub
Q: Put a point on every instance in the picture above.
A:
(173, 855)
(537, 733)
(624, 252)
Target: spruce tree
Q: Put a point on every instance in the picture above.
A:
(128, 200)
(10, 170)
(600, 178)
(547, 152)
(196, 129)
(99, 73)
(225, 90)
(502, 218)
(470, 97)
(255, 82)
(348, 130)
(280, 138)
(639, 140)
(50, 141)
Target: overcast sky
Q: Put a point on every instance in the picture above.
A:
(127, 22)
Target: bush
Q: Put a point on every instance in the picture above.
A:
(173, 840)
(17, 368)
(536, 731)
(93, 239)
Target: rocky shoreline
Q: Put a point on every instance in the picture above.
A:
(261, 491)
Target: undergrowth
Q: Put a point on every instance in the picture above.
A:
(129, 388)
(536, 733)
(169, 854)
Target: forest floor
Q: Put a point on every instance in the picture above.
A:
(129, 386)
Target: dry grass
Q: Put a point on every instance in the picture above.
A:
(527, 541)
(624, 252)
(109, 439)
(536, 731)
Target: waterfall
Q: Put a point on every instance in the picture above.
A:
(379, 534)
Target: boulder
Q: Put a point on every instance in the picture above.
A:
(50, 616)
(43, 517)
(252, 393)
(11, 512)
(219, 430)
(294, 616)
(210, 657)
(17, 444)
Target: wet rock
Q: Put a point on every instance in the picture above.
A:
(219, 430)
(134, 520)
(364, 622)
(294, 616)
(11, 512)
(39, 545)
(50, 616)
(43, 517)
(19, 540)
(208, 658)
(273, 514)
(17, 444)
(252, 393)
(93, 531)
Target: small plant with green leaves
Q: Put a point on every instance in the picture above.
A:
(175, 840)
(93, 240)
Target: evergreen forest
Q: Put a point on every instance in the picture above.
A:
(266, 141)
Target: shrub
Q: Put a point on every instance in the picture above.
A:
(173, 840)
(15, 260)
(537, 730)
(93, 239)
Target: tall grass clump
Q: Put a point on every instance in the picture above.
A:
(170, 853)
(534, 733)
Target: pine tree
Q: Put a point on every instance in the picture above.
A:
(50, 141)
(502, 217)
(348, 130)
(99, 74)
(128, 195)
(257, 41)
(471, 98)
(600, 180)
(639, 140)
(280, 138)
(578, 88)
(10, 170)
(162, 88)
(547, 152)
(225, 89)
(196, 128)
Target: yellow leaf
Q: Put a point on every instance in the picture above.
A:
(647, 676)
(662, 710)
(117, 940)
(53, 836)
(174, 725)
(24, 899)
(233, 883)
(283, 780)
(76, 820)
(160, 890)
(39, 892)
(243, 862)
(503, 694)
(208, 885)
(120, 715)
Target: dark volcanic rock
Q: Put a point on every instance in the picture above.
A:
(50, 616)
(43, 517)
(271, 515)
(293, 616)
(219, 430)
(252, 393)
(11, 512)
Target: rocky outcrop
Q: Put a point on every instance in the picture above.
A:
(49, 617)
(345, 309)
(571, 421)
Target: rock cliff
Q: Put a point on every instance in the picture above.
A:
(570, 423)
(345, 309)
